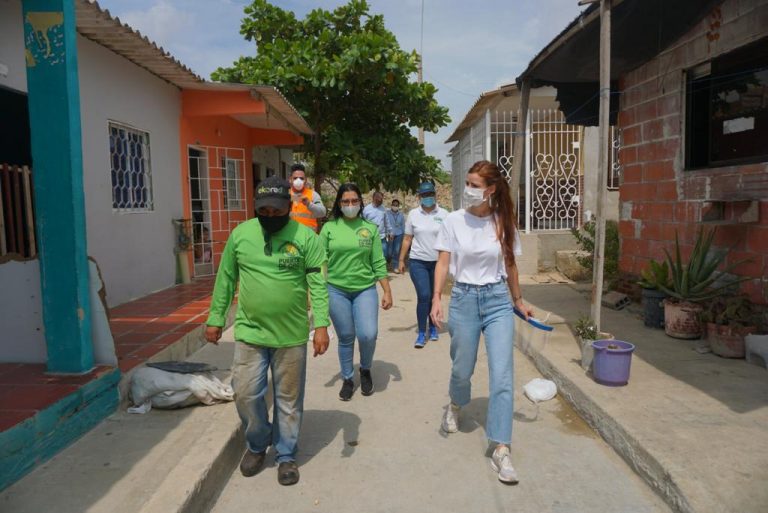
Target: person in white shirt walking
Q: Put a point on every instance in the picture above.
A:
(478, 245)
(421, 229)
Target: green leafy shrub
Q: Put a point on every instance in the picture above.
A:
(586, 240)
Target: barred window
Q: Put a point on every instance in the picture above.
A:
(130, 167)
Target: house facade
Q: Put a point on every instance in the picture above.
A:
(695, 125)
(558, 181)
(689, 94)
(144, 118)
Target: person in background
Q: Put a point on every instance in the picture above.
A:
(276, 258)
(421, 229)
(396, 226)
(478, 245)
(355, 264)
(376, 213)
(306, 205)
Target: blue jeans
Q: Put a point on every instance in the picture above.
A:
(384, 247)
(354, 314)
(487, 309)
(423, 277)
(393, 247)
(249, 381)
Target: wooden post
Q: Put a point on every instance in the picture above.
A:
(602, 160)
(29, 213)
(16, 177)
(3, 248)
(518, 149)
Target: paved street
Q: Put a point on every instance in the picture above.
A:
(386, 452)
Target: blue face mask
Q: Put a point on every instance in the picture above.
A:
(428, 202)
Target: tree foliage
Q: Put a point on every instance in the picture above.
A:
(349, 78)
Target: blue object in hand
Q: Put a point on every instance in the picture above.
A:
(533, 321)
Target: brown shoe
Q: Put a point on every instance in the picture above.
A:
(287, 473)
(252, 462)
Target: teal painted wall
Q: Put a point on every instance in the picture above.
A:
(39, 438)
(54, 110)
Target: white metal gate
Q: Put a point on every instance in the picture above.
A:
(555, 179)
(551, 185)
(217, 194)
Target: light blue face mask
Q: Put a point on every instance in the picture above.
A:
(428, 202)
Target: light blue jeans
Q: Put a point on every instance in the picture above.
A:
(485, 309)
(354, 314)
(249, 381)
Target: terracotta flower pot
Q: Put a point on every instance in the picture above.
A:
(681, 319)
(727, 341)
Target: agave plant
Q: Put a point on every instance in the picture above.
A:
(692, 281)
(655, 276)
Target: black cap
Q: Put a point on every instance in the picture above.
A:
(273, 192)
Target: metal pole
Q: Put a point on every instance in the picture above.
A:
(602, 161)
(421, 66)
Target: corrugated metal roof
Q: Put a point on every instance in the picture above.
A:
(477, 110)
(101, 27)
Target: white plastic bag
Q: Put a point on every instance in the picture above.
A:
(175, 390)
(539, 389)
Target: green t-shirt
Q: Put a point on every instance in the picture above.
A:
(355, 258)
(272, 300)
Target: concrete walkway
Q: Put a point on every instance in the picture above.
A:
(695, 426)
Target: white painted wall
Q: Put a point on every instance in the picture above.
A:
(12, 46)
(270, 156)
(21, 313)
(134, 251)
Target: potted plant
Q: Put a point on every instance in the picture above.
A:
(587, 332)
(652, 278)
(691, 283)
(729, 319)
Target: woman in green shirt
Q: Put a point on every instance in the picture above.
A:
(355, 263)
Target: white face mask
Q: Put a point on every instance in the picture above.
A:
(350, 210)
(472, 197)
(395, 209)
(298, 183)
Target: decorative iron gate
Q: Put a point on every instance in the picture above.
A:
(551, 185)
(555, 178)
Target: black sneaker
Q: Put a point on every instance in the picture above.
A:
(366, 382)
(347, 389)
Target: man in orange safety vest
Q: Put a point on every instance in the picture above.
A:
(306, 205)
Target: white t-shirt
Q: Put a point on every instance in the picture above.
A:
(424, 226)
(476, 255)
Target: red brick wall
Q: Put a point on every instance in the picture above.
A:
(658, 197)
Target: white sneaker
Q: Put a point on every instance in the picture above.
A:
(450, 422)
(501, 463)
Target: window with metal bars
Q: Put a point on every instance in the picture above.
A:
(130, 169)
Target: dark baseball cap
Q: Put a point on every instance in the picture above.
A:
(273, 192)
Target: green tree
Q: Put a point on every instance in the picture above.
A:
(349, 78)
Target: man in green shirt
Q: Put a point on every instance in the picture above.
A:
(273, 260)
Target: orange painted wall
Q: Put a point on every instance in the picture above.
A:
(221, 131)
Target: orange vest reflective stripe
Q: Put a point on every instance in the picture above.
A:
(300, 213)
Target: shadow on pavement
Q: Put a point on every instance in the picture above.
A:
(320, 427)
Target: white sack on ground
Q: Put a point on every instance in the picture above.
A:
(175, 390)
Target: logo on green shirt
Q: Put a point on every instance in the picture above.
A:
(290, 256)
(364, 237)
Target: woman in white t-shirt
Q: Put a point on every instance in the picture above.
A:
(478, 244)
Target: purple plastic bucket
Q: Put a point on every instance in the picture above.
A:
(610, 367)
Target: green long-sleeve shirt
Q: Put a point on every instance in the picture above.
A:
(355, 257)
(272, 300)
